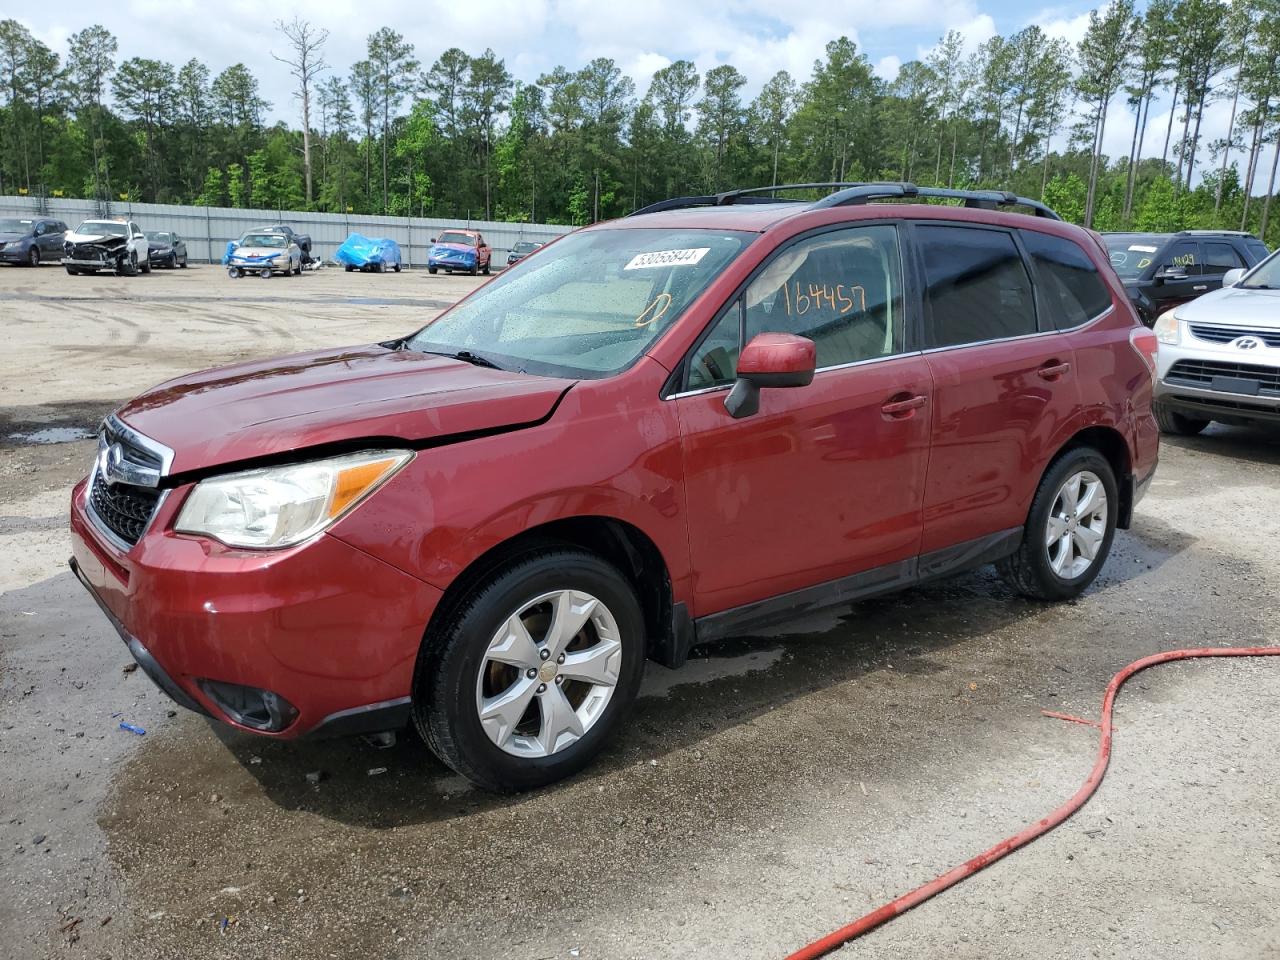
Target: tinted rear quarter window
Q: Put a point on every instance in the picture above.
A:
(976, 285)
(1073, 291)
(1220, 257)
(1257, 249)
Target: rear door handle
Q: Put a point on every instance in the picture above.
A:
(901, 406)
(1053, 370)
(1201, 286)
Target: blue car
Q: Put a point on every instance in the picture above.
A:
(28, 241)
(375, 254)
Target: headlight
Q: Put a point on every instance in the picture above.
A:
(281, 506)
(1166, 327)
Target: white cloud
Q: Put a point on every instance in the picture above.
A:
(887, 68)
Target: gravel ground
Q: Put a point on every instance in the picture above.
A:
(777, 787)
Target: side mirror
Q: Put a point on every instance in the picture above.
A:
(1232, 277)
(770, 360)
(432, 240)
(1171, 272)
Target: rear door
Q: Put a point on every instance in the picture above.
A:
(825, 481)
(1003, 376)
(1219, 257)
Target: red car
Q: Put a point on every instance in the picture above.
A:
(675, 427)
(464, 250)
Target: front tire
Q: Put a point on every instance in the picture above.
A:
(33, 257)
(431, 270)
(532, 671)
(1069, 528)
(146, 264)
(1177, 424)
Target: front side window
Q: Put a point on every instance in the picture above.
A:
(1073, 290)
(1182, 257)
(841, 289)
(976, 285)
(588, 305)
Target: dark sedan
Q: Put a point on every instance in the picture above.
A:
(29, 241)
(166, 249)
(522, 250)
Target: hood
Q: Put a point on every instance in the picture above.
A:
(11, 237)
(276, 406)
(1236, 307)
(73, 237)
(260, 251)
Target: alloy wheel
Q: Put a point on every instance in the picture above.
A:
(1077, 525)
(549, 673)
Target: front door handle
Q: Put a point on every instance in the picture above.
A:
(1201, 286)
(1053, 370)
(903, 405)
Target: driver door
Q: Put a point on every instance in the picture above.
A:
(1178, 278)
(826, 481)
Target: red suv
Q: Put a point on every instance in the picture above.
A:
(701, 419)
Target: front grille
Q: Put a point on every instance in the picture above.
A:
(84, 251)
(1201, 373)
(1217, 334)
(134, 453)
(124, 509)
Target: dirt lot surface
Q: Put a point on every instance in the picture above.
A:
(775, 788)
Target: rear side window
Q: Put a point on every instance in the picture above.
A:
(1257, 249)
(1072, 288)
(1220, 257)
(976, 285)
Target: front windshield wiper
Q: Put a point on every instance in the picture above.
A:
(466, 356)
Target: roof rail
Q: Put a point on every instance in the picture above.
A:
(1211, 233)
(849, 194)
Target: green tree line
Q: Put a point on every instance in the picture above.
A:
(461, 137)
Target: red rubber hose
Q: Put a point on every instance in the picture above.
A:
(967, 869)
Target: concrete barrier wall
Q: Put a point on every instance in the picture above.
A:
(206, 230)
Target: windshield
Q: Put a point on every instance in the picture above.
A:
(159, 236)
(1131, 253)
(1265, 276)
(105, 228)
(14, 225)
(590, 305)
(264, 240)
(453, 236)
(526, 246)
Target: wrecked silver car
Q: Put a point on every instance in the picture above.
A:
(116, 245)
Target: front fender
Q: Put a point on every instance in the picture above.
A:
(611, 449)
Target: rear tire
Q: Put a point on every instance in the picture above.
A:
(396, 268)
(146, 265)
(431, 270)
(1177, 424)
(73, 271)
(465, 664)
(183, 264)
(1054, 561)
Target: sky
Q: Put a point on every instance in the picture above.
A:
(759, 37)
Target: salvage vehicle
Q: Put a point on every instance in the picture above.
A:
(28, 241)
(301, 239)
(264, 253)
(1162, 270)
(369, 254)
(522, 250)
(117, 245)
(1219, 356)
(166, 249)
(459, 251)
(701, 420)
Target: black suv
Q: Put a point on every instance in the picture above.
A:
(1162, 270)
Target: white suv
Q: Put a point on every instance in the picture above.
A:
(1219, 355)
(118, 245)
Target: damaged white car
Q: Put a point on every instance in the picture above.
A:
(116, 245)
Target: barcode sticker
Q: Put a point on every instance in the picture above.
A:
(667, 258)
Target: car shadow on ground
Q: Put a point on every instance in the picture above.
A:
(1258, 443)
(731, 683)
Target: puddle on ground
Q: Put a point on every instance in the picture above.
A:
(658, 682)
(50, 435)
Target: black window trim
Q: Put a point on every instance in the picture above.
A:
(676, 385)
(926, 312)
(1039, 285)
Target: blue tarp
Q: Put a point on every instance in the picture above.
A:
(360, 252)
